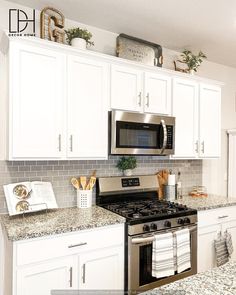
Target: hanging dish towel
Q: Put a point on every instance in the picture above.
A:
(163, 256)
(229, 243)
(183, 257)
(222, 255)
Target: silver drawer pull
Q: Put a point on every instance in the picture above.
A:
(143, 240)
(223, 216)
(71, 276)
(77, 245)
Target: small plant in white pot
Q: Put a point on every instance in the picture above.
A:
(79, 38)
(127, 164)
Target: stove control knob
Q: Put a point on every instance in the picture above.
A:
(167, 223)
(180, 221)
(186, 220)
(146, 227)
(153, 226)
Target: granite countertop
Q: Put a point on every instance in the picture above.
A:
(205, 203)
(57, 221)
(219, 281)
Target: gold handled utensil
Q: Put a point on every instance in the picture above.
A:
(75, 183)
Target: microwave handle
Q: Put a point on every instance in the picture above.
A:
(164, 136)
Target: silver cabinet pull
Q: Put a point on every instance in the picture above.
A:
(71, 143)
(71, 277)
(147, 97)
(197, 147)
(203, 147)
(77, 245)
(59, 142)
(223, 216)
(140, 98)
(83, 274)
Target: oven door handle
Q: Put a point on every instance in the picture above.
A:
(163, 124)
(142, 240)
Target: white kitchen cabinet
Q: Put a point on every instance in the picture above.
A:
(102, 270)
(198, 119)
(138, 91)
(157, 93)
(126, 88)
(87, 108)
(87, 259)
(210, 121)
(210, 223)
(38, 279)
(36, 105)
(185, 109)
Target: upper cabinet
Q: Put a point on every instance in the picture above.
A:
(138, 91)
(210, 121)
(87, 95)
(196, 107)
(59, 98)
(36, 104)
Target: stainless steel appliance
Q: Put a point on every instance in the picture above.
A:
(135, 198)
(141, 134)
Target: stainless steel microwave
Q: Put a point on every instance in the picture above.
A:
(141, 134)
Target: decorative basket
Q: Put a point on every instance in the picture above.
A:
(84, 198)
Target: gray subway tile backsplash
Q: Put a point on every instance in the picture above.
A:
(60, 172)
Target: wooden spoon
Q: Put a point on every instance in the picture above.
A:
(83, 181)
(75, 182)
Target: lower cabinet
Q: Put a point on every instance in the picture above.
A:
(210, 224)
(42, 278)
(85, 260)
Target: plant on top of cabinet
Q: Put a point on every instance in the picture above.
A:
(79, 38)
(127, 164)
(191, 60)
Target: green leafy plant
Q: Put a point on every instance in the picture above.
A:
(79, 33)
(125, 163)
(191, 60)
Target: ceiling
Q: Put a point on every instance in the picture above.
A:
(207, 25)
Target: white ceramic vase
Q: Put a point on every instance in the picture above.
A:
(78, 43)
(127, 172)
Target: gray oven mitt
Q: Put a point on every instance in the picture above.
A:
(229, 243)
(222, 255)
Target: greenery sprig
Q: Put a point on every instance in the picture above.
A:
(125, 163)
(191, 60)
(79, 33)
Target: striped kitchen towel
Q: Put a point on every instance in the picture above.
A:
(163, 256)
(183, 256)
(222, 255)
(229, 243)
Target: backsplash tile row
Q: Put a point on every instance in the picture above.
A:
(60, 173)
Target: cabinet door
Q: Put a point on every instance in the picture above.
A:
(231, 228)
(210, 121)
(41, 278)
(87, 108)
(102, 269)
(126, 88)
(185, 109)
(37, 85)
(157, 94)
(206, 250)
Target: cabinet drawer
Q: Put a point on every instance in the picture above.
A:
(40, 249)
(214, 216)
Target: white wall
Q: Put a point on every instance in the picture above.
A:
(214, 171)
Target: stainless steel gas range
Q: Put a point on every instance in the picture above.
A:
(135, 198)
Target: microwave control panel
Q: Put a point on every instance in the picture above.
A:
(170, 135)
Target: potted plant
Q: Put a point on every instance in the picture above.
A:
(127, 164)
(79, 38)
(191, 60)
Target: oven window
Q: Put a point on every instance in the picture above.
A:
(136, 135)
(145, 266)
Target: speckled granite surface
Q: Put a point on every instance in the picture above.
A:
(219, 281)
(210, 202)
(57, 221)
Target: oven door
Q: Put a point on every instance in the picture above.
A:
(133, 133)
(140, 261)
